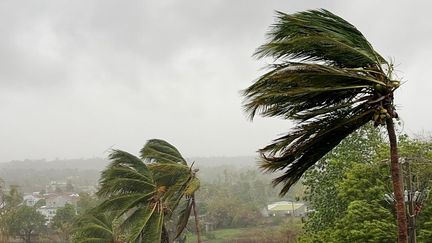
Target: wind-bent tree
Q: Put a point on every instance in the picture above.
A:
(330, 81)
(159, 151)
(144, 192)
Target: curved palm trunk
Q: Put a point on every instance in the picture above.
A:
(397, 183)
(197, 228)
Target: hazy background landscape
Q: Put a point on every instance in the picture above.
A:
(34, 175)
(81, 79)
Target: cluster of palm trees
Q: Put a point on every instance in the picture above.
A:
(140, 195)
(326, 77)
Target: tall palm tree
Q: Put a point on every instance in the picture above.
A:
(329, 80)
(144, 192)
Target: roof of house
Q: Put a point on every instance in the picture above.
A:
(63, 195)
(284, 206)
(31, 196)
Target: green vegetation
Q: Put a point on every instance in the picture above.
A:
(330, 81)
(338, 90)
(142, 194)
(287, 231)
(347, 190)
(23, 222)
(63, 221)
(97, 227)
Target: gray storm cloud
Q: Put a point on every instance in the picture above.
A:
(80, 77)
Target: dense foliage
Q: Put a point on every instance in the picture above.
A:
(63, 221)
(25, 221)
(347, 188)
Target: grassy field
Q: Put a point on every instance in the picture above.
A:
(286, 232)
(219, 236)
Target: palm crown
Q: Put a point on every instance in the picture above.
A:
(143, 193)
(328, 79)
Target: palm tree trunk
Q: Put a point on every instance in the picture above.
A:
(197, 228)
(164, 235)
(397, 183)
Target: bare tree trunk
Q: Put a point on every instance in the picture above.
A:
(411, 214)
(197, 228)
(397, 183)
(27, 237)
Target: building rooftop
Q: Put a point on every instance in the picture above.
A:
(284, 206)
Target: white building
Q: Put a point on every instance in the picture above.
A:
(31, 200)
(58, 201)
(53, 202)
(285, 208)
(48, 213)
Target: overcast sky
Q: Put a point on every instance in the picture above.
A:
(80, 77)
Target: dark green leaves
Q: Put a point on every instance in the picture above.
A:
(126, 174)
(94, 227)
(319, 35)
(140, 193)
(326, 80)
(160, 151)
(145, 223)
(185, 211)
(300, 90)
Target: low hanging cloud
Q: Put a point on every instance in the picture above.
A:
(80, 77)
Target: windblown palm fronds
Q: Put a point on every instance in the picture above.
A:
(142, 193)
(328, 79)
(95, 228)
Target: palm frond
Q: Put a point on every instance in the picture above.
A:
(121, 204)
(185, 211)
(192, 187)
(93, 227)
(122, 185)
(319, 35)
(126, 173)
(160, 151)
(145, 224)
(328, 80)
(124, 159)
(302, 148)
(169, 174)
(299, 90)
(153, 229)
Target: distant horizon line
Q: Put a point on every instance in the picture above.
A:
(106, 158)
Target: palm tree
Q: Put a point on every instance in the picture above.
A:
(159, 151)
(329, 80)
(144, 192)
